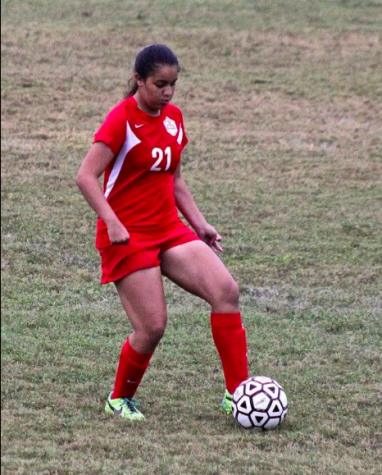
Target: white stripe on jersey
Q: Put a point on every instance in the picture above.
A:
(180, 136)
(131, 141)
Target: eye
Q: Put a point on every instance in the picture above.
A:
(162, 84)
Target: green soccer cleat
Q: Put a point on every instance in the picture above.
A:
(124, 407)
(227, 402)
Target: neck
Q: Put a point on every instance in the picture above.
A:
(142, 105)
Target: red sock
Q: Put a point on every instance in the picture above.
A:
(230, 340)
(131, 368)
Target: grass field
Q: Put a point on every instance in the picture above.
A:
(283, 108)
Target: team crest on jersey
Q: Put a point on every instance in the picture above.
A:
(170, 125)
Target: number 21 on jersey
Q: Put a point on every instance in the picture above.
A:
(159, 155)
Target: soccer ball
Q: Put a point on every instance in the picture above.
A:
(259, 402)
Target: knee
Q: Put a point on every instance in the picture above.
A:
(232, 292)
(227, 295)
(154, 332)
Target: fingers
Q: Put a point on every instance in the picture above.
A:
(214, 243)
(123, 242)
(120, 239)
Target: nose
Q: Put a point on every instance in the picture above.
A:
(168, 91)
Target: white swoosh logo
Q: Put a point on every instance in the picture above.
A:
(139, 126)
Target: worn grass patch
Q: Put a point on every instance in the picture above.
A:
(283, 109)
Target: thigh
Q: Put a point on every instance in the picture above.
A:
(196, 268)
(143, 299)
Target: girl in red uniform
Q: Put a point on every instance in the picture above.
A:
(140, 236)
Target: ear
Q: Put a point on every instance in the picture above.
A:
(138, 79)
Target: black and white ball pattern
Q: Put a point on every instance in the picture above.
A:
(259, 402)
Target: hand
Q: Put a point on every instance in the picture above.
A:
(209, 235)
(118, 234)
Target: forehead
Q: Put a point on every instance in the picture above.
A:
(166, 73)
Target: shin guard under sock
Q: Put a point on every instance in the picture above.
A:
(131, 368)
(230, 340)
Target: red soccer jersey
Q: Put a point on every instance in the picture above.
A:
(139, 183)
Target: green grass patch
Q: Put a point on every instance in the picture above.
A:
(283, 105)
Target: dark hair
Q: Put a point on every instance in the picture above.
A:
(148, 61)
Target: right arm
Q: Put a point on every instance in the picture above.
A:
(93, 166)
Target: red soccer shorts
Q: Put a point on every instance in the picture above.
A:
(143, 251)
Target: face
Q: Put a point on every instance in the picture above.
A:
(156, 90)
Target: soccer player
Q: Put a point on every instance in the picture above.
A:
(140, 236)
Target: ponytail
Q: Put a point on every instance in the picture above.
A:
(131, 89)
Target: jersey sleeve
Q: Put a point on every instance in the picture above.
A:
(184, 138)
(113, 131)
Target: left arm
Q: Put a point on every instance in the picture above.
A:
(187, 206)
